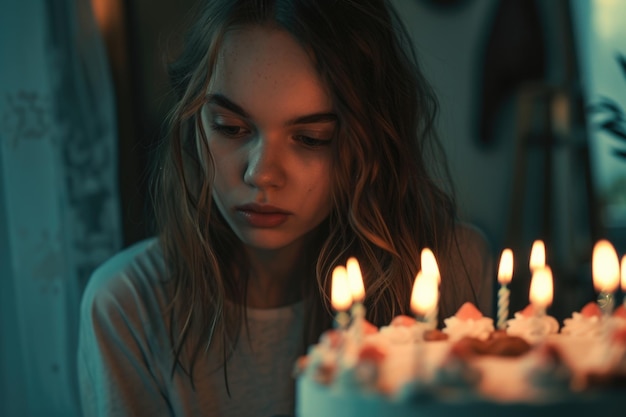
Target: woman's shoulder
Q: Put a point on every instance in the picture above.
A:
(471, 240)
(123, 320)
(135, 275)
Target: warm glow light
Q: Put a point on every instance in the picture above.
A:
(429, 264)
(541, 287)
(107, 14)
(505, 270)
(624, 274)
(605, 19)
(537, 255)
(355, 279)
(605, 267)
(425, 294)
(340, 295)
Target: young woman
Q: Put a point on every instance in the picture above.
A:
(303, 135)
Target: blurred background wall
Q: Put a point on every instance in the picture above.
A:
(532, 100)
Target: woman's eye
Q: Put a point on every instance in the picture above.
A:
(311, 142)
(229, 130)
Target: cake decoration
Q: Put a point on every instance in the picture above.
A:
(532, 366)
(530, 326)
(586, 323)
(606, 270)
(505, 274)
(468, 321)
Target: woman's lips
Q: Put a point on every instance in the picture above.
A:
(263, 216)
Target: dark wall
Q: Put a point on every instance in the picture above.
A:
(143, 37)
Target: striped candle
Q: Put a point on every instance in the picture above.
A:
(505, 274)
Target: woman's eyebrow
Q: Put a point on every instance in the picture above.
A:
(223, 101)
(324, 117)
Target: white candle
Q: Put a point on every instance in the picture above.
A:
(505, 274)
(541, 290)
(340, 295)
(605, 271)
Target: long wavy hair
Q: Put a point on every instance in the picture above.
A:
(391, 192)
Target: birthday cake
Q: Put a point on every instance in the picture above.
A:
(409, 368)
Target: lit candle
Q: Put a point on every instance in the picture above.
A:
(537, 255)
(424, 295)
(505, 274)
(340, 296)
(430, 268)
(605, 270)
(429, 264)
(541, 290)
(355, 281)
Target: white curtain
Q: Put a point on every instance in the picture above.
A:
(602, 47)
(59, 208)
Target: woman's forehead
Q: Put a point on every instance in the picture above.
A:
(265, 69)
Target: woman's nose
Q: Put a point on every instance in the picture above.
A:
(265, 167)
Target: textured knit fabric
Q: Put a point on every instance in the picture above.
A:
(124, 355)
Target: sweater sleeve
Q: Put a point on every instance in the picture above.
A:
(116, 350)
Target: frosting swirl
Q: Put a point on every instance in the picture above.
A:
(581, 325)
(531, 328)
(479, 328)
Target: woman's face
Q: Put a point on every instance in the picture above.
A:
(269, 123)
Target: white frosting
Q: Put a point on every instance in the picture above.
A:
(587, 354)
(581, 326)
(532, 329)
(404, 334)
(618, 322)
(368, 389)
(456, 328)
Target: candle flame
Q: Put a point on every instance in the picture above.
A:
(425, 294)
(605, 267)
(340, 295)
(537, 255)
(429, 264)
(505, 269)
(355, 279)
(542, 287)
